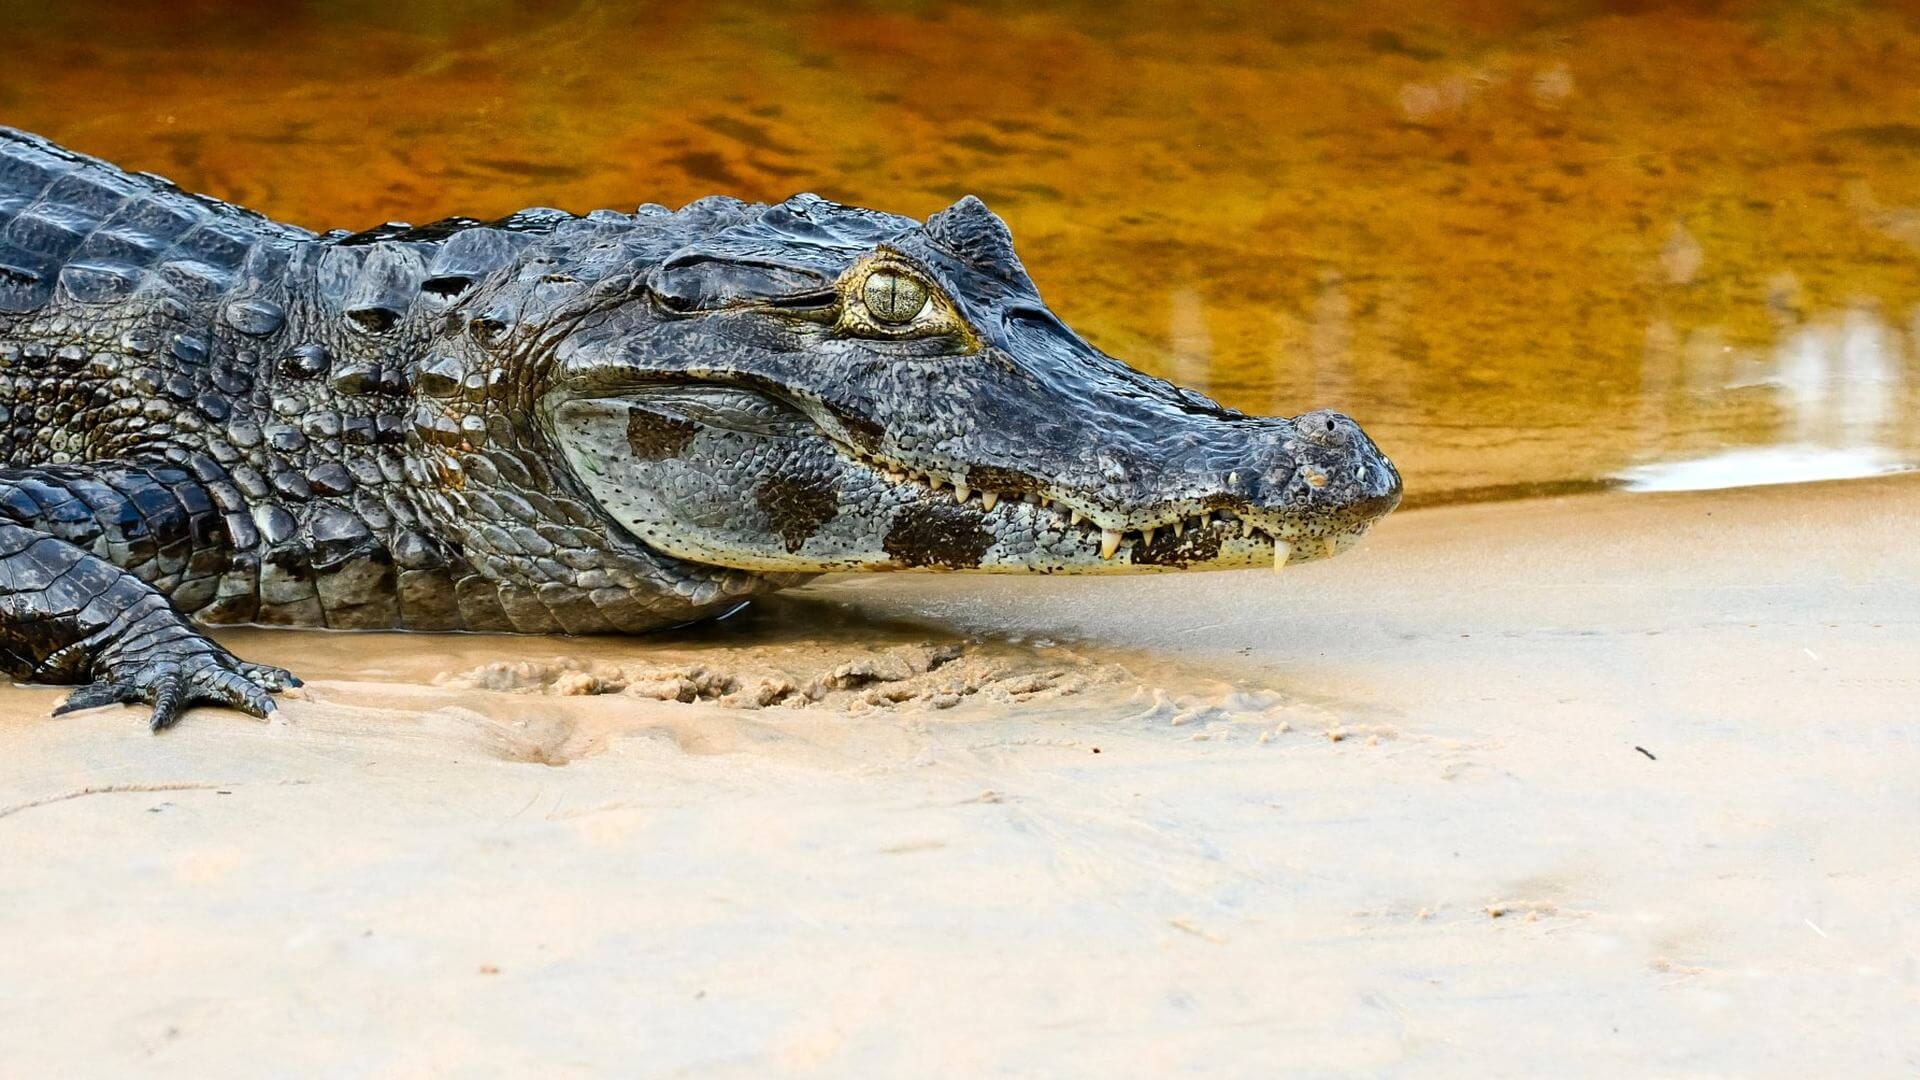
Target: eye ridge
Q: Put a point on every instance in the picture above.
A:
(894, 298)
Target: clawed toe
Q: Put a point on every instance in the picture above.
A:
(95, 695)
(268, 677)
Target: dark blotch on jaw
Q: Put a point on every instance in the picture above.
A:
(1004, 481)
(797, 507)
(655, 437)
(938, 535)
(1198, 545)
(864, 433)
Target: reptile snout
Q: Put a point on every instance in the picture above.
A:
(1342, 457)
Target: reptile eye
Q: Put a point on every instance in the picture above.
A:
(894, 299)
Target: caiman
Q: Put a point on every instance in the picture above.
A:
(552, 423)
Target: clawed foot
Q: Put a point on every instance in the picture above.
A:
(195, 672)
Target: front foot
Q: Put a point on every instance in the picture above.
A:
(177, 673)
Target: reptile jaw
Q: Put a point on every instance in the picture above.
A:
(1093, 524)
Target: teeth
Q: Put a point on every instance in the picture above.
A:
(1360, 474)
(1110, 539)
(961, 490)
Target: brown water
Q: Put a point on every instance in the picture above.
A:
(1530, 246)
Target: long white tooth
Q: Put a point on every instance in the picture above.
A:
(1246, 527)
(936, 482)
(1146, 536)
(988, 499)
(1282, 551)
(960, 493)
(1078, 517)
(1045, 502)
(1179, 526)
(1109, 542)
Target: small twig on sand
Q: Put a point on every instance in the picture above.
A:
(119, 789)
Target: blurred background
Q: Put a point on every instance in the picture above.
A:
(1533, 247)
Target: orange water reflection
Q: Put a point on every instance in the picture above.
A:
(1529, 245)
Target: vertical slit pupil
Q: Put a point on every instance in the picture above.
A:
(893, 298)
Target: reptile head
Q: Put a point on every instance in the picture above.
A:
(815, 387)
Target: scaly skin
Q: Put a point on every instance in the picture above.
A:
(553, 423)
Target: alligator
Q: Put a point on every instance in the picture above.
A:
(555, 423)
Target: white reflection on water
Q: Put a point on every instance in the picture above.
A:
(1842, 390)
(1766, 465)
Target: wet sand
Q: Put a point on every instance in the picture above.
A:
(1595, 784)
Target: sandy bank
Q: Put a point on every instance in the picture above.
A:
(1608, 783)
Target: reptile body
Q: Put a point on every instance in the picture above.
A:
(553, 423)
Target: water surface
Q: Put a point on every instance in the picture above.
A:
(1532, 246)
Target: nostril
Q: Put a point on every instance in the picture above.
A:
(1325, 427)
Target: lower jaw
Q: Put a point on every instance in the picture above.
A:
(1220, 549)
(1165, 555)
